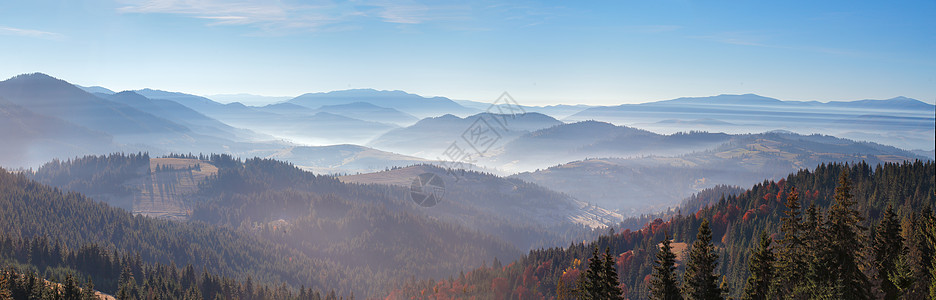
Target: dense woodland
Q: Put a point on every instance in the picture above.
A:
(38, 268)
(31, 210)
(875, 223)
(850, 232)
(316, 230)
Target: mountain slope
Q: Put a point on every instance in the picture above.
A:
(372, 231)
(570, 142)
(30, 138)
(651, 183)
(409, 103)
(370, 112)
(735, 222)
(430, 137)
(902, 122)
(183, 115)
(49, 96)
(287, 121)
(344, 158)
(505, 198)
(31, 209)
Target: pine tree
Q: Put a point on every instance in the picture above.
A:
(701, 282)
(71, 291)
(791, 258)
(818, 271)
(664, 285)
(612, 288)
(845, 240)
(917, 233)
(601, 281)
(761, 267)
(87, 293)
(128, 288)
(887, 247)
(592, 286)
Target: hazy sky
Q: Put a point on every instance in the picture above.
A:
(541, 52)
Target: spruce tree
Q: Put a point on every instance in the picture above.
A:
(791, 256)
(818, 272)
(87, 293)
(591, 286)
(127, 284)
(664, 285)
(844, 241)
(601, 278)
(70, 290)
(701, 282)
(612, 286)
(887, 247)
(758, 285)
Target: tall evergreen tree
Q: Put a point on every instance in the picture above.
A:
(791, 256)
(612, 288)
(818, 271)
(601, 281)
(919, 234)
(664, 285)
(845, 240)
(87, 293)
(762, 272)
(71, 291)
(701, 281)
(886, 248)
(592, 287)
(128, 288)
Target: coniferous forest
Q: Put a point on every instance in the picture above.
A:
(842, 231)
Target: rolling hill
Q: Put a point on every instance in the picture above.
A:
(430, 137)
(339, 233)
(650, 183)
(901, 122)
(347, 159)
(413, 104)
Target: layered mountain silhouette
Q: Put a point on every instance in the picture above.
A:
(651, 182)
(899, 121)
(30, 138)
(410, 103)
(478, 133)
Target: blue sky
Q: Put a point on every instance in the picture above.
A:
(541, 52)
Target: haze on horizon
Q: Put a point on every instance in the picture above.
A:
(543, 53)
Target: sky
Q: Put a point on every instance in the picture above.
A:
(544, 52)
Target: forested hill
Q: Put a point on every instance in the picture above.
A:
(365, 233)
(29, 210)
(736, 222)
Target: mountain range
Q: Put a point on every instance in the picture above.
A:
(363, 131)
(900, 121)
(626, 183)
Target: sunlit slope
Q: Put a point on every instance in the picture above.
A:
(506, 198)
(163, 192)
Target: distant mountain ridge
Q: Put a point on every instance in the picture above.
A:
(430, 137)
(645, 183)
(900, 121)
(410, 103)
